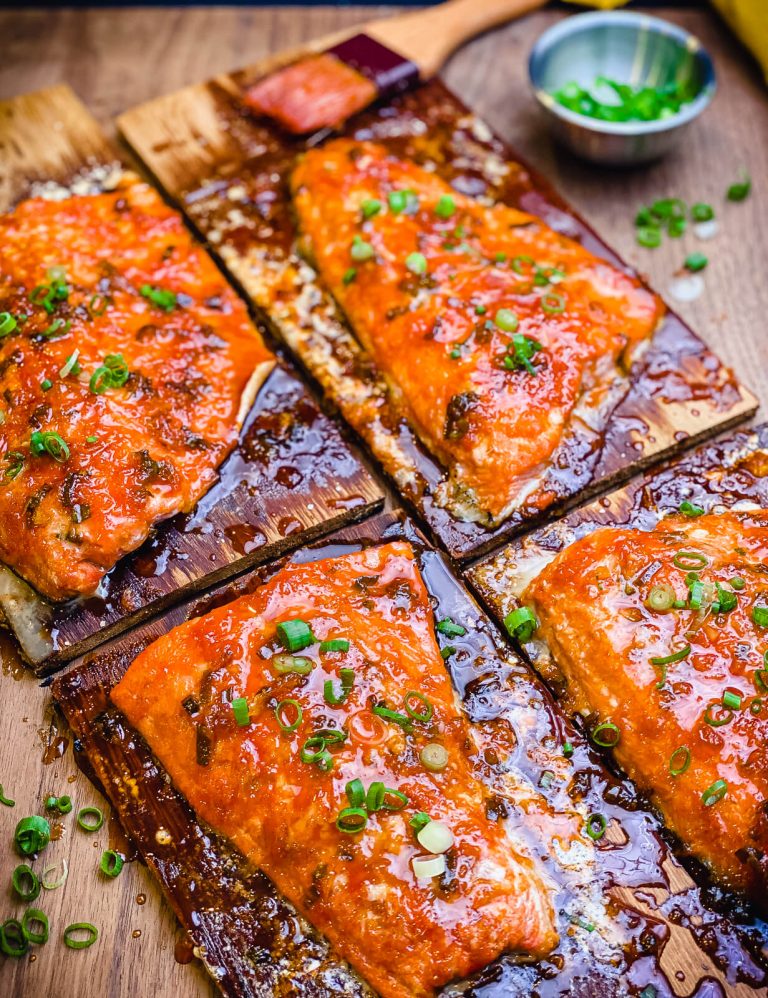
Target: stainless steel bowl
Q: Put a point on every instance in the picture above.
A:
(630, 48)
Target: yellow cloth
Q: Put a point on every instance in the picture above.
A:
(747, 18)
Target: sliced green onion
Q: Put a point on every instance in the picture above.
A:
(347, 684)
(737, 583)
(165, 300)
(97, 305)
(445, 207)
(360, 250)
(519, 353)
(690, 509)
(280, 715)
(740, 190)
(71, 931)
(31, 917)
(418, 715)
(285, 663)
(760, 679)
(648, 236)
(335, 644)
(381, 798)
(702, 212)
(12, 939)
(6, 800)
(314, 750)
(731, 700)
(355, 793)
(416, 263)
(47, 442)
(680, 760)
(375, 796)
(434, 757)
(393, 716)
(400, 201)
(240, 710)
(52, 885)
(25, 882)
(352, 820)
(715, 793)
(696, 262)
(677, 226)
(480, 309)
(7, 323)
(567, 750)
(696, 595)
(450, 628)
(500, 257)
(46, 384)
(420, 820)
(348, 276)
(582, 923)
(15, 465)
(596, 826)
(553, 303)
(606, 735)
(521, 624)
(727, 600)
(648, 992)
(717, 721)
(90, 819)
(506, 320)
(59, 327)
(760, 615)
(370, 207)
(690, 560)
(32, 835)
(70, 364)
(111, 863)
(520, 263)
(295, 634)
(661, 598)
(756, 706)
(445, 653)
(61, 804)
(675, 656)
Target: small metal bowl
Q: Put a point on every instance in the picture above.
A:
(629, 48)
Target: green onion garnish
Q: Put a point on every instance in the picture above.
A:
(424, 715)
(737, 583)
(740, 190)
(282, 712)
(165, 300)
(553, 303)
(47, 442)
(648, 237)
(680, 760)
(360, 250)
(25, 882)
(97, 306)
(606, 735)
(352, 820)
(445, 653)
(314, 750)
(400, 201)
(480, 309)
(696, 595)
(285, 664)
(335, 644)
(727, 600)
(702, 212)
(52, 885)
(111, 863)
(450, 629)
(661, 598)
(71, 365)
(719, 719)
(113, 373)
(445, 207)
(690, 560)
(419, 820)
(240, 710)
(71, 931)
(715, 793)
(347, 684)
(355, 793)
(12, 940)
(696, 262)
(378, 798)
(370, 207)
(690, 509)
(434, 757)
(760, 615)
(625, 101)
(416, 263)
(295, 634)
(506, 320)
(393, 717)
(761, 680)
(596, 826)
(7, 323)
(90, 819)
(61, 804)
(59, 327)
(567, 750)
(731, 700)
(349, 275)
(520, 351)
(521, 624)
(675, 656)
(31, 917)
(6, 800)
(32, 835)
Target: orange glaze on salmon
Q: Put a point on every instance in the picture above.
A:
(593, 605)
(490, 327)
(90, 459)
(320, 91)
(405, 936)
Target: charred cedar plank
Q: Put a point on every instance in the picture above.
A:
(291, 477)
(654, 907)
(228, 170)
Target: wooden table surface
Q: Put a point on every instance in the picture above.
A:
(114, 58)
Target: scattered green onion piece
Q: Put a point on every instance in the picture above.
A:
(726, 600)
(92, 439)
(374, 799)
(731, 700)
(12, 939)
(7, 323)
(163, 299)
(32, 835)
(446, 652)
(111, 863)
(596, 826)
(355, 793)
(352, 820)
(61, 804)
(240, 710)
(715, 793)
(424, 715)
(696, 262)
(97, 305)
(756, 706)
(450, 628)
(760, 615)
(394, 800)
(360, 251)
(47, 442)
(546, 779)
(506, 320)
(520, 263)
(660, 599)
(335, 644)
(29, 918)
(25, 882)
(349, 275)
(92, 934)
(702, 212)
(599, 735)
(761, 679)
(434, 757)
(46, 384)
(648, 237)
(740, 190)
(393, 716)
(567, 750)
(553, 303)
(676, 226)
(680, 760)
(582, 923)
(371, 207)
(420, 820)
(717, 721)
(84, 816)
(295, 634)
(690, 560)
(400, 201)
(520, 351)
(416, 263)
(663, 679)
(445, 207)
(6, 800)
(70, 364)
(59, 327)
(696, 596)
(480, 309)
(690, 509)
(52, 885)
(329, 694)
(280, 711)
(521, 624)
(285, 663)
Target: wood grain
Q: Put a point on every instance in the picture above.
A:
(115, 58)
(290, 474)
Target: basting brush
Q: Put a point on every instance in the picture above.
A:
(323, 89)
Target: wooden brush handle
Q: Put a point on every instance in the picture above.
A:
(427, 37)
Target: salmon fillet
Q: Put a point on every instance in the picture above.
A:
(406, 936)
(693, 731)
(127, 367)
(495, 333)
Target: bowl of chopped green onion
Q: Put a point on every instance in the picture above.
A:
(620, 88)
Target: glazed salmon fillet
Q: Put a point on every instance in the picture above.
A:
(328, 730)
(663, 637)
(127, 367)
(496, 334)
